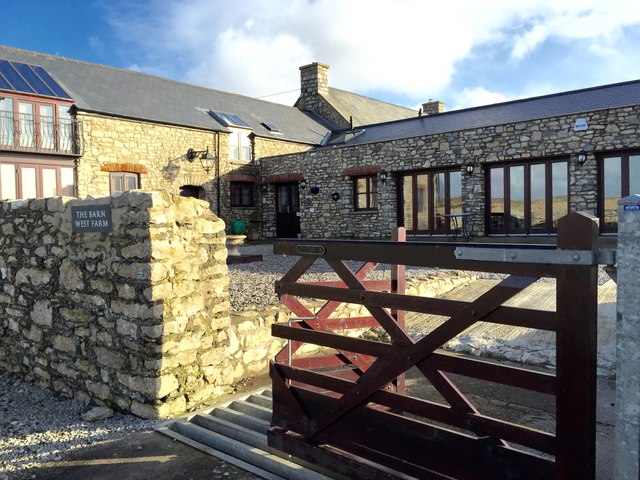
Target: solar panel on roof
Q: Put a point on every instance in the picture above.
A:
(229, 119)
(20, 77)
(10, 74)
(32, 79)
(4, 85)
(51, 83)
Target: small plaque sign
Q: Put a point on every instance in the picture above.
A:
(311, 250)
(93, 218)
(633, 208)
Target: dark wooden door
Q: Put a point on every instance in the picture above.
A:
(287, 210)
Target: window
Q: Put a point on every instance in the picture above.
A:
(229, 119)
(47, 132)
(426, 199)
(36, 180)
(241, 194)
(123, 181)
(527, 198)
(6, 121)
(26, 125)
(365, 192)
(239, 146)
(65, 129)
(619, 177)
(27, 130)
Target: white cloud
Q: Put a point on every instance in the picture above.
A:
(575, 21)
(396, 48)
(473, 97)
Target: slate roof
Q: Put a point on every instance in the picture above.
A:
(577, 102)
(365, 110)
(125, 93)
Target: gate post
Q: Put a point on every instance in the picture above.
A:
(398, 285)
(576, 347)
(627, 444)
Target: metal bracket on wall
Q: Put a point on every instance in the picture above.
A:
(602, 256)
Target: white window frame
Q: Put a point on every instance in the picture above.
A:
(240, 145)
(125, 178)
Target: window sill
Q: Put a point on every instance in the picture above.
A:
(240, 162)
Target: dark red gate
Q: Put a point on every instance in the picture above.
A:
(345, 406)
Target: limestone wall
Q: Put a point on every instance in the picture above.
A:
(262, 147)
(158, 149)
(157, 153)
(321, 217)
(136, 317)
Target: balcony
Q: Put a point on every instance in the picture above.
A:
(42, 135)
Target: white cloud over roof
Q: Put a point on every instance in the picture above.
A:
(398, 50)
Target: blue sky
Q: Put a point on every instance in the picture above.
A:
(463, 52)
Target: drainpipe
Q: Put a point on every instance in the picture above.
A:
(218, 182)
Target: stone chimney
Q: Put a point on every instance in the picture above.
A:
(432, 107)
(314, 79)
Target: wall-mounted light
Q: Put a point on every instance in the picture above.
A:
(383, 176)
(265, 187)
(582, 157)
(469, 168)
(206, 158)
(303, 184)
(335, 196)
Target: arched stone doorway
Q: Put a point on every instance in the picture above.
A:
(192, 191)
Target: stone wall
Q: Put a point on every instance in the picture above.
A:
(321, 217)
(136, 318)
(159, 149)
(262, 147)
(157, 153)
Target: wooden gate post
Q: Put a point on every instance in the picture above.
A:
(398, 285)
(576, 347)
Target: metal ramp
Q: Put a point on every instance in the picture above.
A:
(236, 432)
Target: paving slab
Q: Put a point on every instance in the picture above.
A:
(145, 455)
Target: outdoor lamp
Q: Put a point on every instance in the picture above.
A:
(582, 157)
(206, 158)
(383, 176)
(469, 168)
(303, 184)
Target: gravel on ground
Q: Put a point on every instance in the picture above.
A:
(38, 426)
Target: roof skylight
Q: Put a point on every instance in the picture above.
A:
(271, 127)
(346, 137)
(229, 119)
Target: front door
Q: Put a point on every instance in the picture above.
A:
(287, 210)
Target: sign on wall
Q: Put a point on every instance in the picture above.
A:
(93, 218)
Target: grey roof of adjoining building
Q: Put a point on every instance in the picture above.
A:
(129, 94)
(365, 110)
(575, 102)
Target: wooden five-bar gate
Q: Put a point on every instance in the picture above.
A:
(345, 405)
